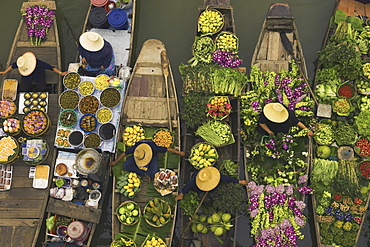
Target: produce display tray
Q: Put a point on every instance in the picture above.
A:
(21, 104)
(105, 145)
(41, 177)
(10, 89)
(6, 174)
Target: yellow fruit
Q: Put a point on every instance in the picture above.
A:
(136, 184)
(129, 180)
(126, 187)
(129, 190)
(131, 193)
(130, 175)
(130, 185)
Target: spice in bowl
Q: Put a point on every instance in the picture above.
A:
(75, 138)
(102, 82)
(69, 99)
(89, 104)
(104, 115)
(110, 97)
(92, 140)
(86, 88)
(71, 80)
(68, 118)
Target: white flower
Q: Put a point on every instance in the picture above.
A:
(290, 162)
(305, 154)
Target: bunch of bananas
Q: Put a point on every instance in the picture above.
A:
(128, 184)
(203, 155)
(157, 212)
(153, 241)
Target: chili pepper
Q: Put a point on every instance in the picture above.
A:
(345, 91)
(358, 201)
(365, 169)
(337, 197)
(364, 146)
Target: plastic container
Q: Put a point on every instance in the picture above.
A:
(118, 19)
(98, 17)
(99, 3)
(110, 5)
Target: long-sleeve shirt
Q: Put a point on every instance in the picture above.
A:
(191, 185)
(38, 75)
(99, 58)
(277, 127)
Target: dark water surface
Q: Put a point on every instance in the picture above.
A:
(173, 22)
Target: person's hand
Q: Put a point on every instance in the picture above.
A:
(113, 163)
(2, 72)
(179, 197)
(271, 133)
(102, 67)
(243, 182)
(84, 61)
(310, 133)
(64, 73)
(182, 153)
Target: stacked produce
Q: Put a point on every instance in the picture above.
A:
(218, 107)
(157, 212)
(202, 50)
(163, 138)
(324, 134)
(362, 147)
(128, 184)
(215, 132)
(227, 42)
(128, 213)
(133, 134)
(153, 241)
(210, 21)
(219, 223)
(11, 125)
(229, 168)
(202, 155)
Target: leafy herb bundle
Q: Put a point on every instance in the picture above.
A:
(190, 202)
(228, 197)
(195, 108)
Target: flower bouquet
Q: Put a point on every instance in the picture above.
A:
(38, 19)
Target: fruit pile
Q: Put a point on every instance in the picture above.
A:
(128, 213)
(210, 21)
(153, 241)
(219, 223)
(11, 125)
(363, 147)
(35, 122)
(202, 155)
(133, 134)
(157, 212)
(218, 107)
(363, 86)
(162, 138)
(128, 184)
(123, 242)
(227, 42)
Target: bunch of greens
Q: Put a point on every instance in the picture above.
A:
(347, 179)
(329, 81)
(215, 132)
(362, 123)
(196, 78)
(228, 81)
(228, 197)
(202, 49)
(345, 134)
(190, 202)
(228, 167)
(194, 108)
(324, 171)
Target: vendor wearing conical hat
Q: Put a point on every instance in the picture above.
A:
(144, 157)
(32, 69)
(207, 179)
(96, 53)
(276, 118)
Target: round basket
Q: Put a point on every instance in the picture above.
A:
(126, 134)
(363, 90)
(123, 204)
(7, 108)
(107, 131)
(92, 140)
(69, 99)
(364, 168)
(11, 146)
(148, 214)
(362, 141)
(68, 118)
(86, 88)
(88, 123)
(163, 138)
(102, 82)
(88, 104)
(35, 123)
(217, 105)
(110, 97)
(194, 155)
(12, 121)
(348, 86)
(76, 138)
(44, 152)
(224, 35)
(340, 106)
(104, 115)
(115, 242)
(71, 80)
(203, 27)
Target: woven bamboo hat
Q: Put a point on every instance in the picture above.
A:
(143, 154)
(26, 63)
(91, 41)
(276, 112)
(208, 178)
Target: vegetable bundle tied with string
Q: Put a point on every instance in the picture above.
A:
(215, 132)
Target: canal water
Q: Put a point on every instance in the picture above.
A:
(174, 22)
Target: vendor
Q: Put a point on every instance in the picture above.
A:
(207, 179)
(144, 158)
(32, 69)
(276, 118)
(96, 53)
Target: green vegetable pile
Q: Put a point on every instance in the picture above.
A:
(228, 197)
(215, 132)
(228, 167)
(190, 202)
(202, 50)
(347, 179)
(362, 123)
(324, 134)
(345, 134)
(194, 108)
(324, 171)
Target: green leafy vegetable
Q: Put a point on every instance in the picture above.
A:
(190, 203)
(362, 123)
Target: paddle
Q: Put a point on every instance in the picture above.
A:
(288, 47)
(165, 70)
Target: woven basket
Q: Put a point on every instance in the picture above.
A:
(227, 32)
(215, 31)
(192, 153)
(149, 237)
(151, 222)
(136, 207)
(219, 117)
(15, 156)
(162, 129)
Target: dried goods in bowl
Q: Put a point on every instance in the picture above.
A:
(86, 88)
(76, 138)
(104, 115)
(88, 123)
(107, 131)
(92, 140)
(71, 80)
(88, 104)
(68, 118)
(110, 97)
(69, 99)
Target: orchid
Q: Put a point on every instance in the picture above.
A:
(226, 59)
(38, 19)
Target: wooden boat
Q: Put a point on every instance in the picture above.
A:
(347, 9)
(23, 206)
(121, 41)
(277, 48)
(230, 152)
(48, 51)
(151, 102)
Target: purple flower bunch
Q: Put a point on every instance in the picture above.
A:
(38, 19)
(256, 106)
(281, 235)
(339, 214)
(226, 59)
